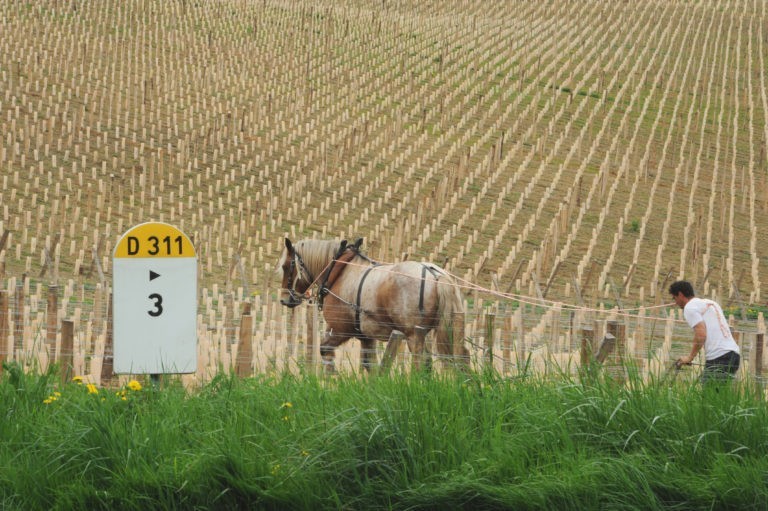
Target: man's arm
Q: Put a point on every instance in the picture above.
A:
(699, 337)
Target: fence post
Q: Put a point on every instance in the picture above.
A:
(506, 352)
(457, 334)
(640, 354)
(244, 347)
(393, 346)
(759, 338)
(18, 313)
(5, 349)
(618, 331)
(52, 320)
(490, 319)
(607, 346)
(98, 321)
(587, 345)
(520, 347)
(107, 364)
(310, 347)
(66, 354)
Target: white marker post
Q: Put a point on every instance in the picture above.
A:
(155, 301)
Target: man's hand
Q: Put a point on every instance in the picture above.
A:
(683, 361)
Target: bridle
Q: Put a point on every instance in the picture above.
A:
(298, 270)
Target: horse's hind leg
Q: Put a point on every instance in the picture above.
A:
(418, 346)
(328, 350)
(367, 354)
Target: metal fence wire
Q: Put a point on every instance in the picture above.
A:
(255, 334)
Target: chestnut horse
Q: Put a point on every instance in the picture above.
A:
(367, 300)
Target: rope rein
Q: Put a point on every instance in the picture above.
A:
(325, 274)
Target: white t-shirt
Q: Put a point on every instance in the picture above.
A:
(719, 339)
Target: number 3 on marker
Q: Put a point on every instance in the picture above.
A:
(158, 305)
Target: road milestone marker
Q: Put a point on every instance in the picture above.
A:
(155, 301)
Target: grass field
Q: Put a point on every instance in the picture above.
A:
(475, 442)
(583, 153)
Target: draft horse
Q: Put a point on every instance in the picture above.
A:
(364, 299)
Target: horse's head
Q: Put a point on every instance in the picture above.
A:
(296, 277)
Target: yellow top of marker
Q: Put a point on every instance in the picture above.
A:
(154, 239)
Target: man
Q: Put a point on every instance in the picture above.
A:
(710, 331)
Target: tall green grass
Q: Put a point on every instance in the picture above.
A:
(417, 442)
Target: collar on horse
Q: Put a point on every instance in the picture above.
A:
(344, 254)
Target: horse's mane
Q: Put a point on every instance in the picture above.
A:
(317, 253)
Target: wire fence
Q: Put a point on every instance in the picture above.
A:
(72, 325)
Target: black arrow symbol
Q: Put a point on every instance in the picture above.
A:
(153, 275)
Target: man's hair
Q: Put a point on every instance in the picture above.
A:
(681, 286)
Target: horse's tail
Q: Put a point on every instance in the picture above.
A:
(449, 334)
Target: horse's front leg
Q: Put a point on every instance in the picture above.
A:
(328, 350)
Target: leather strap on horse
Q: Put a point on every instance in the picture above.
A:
(324, 284)
(358, 308)
(436, 274)
(344, 254)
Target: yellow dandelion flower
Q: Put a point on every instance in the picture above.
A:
(304, 453)
(78, 380)
(286, 418)
(287, 404)
(134, 385)
(92, 389)
(49, 400)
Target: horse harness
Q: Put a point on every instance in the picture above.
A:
(353, 251)
(344, 254)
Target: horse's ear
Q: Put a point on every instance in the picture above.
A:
(341, 249)
(358, 243)
(288, 245)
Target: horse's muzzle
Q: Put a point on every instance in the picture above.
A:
(290, 302)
